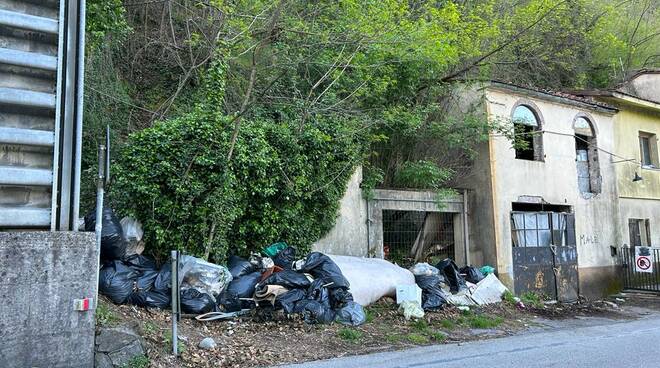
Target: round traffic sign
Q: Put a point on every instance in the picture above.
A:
(644, 263)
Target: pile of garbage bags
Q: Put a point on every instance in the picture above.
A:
(313, 286)
(446, 284)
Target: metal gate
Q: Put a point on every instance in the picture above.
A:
(538, 265)
(41, 79)
(639, 280)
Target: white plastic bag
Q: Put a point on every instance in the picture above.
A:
(206, 277)
(411, 309)
(372, 278)
(132, 231)
(424, 269)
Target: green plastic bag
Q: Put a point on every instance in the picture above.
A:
(487, 270)
(273, 249)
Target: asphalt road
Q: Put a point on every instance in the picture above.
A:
(616, 344)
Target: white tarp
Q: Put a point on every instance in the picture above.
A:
(372, 278)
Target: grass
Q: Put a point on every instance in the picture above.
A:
(105, 316)
(421, 326)
(485, 321)
(418, 338)
(393, 338)
(369, 314)
(448, 324)
(138, 361)
(349, 334)
(438, 336)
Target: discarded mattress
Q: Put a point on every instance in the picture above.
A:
(371, 278)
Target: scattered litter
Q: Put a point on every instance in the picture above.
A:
(352, 314)
(620, 300)
(411, 309)
(613, 305)
(463, 308)
(549, 302)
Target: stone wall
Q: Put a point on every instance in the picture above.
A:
(42, 273)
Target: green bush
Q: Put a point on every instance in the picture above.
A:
(282, 183)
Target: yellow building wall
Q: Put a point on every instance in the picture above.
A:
(627, 125)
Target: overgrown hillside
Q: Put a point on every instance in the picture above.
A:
(238, 123)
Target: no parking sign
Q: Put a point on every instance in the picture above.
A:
(643, 259)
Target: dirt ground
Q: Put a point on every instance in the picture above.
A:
(265, 339)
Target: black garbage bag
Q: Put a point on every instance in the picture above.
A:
(472, 274)
(244, 286)
(163, 281)
(285, 258)
(229, 302)
(316, 291)
(113, 244)
(194, 302)
(116, 281)
(151, 299)
(340, 297)
(322, 267)
(433, 297)
(288, 300)
(451, 272)
(287, 278)
(146, 280)
(140, 263)
(351, 314)
(239, 266)
(315, 312)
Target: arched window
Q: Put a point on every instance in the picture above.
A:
(528, 141)
(586, 150)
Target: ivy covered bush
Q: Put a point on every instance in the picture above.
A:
(282, 183)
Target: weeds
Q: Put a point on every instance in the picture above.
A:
(533, 299)
(393, 338)
(438, 336)
(484, 321)
(138, 361)
(167, 339)
(150, 327)
(418, 338)
(349, 334)
(509, 298)
(448, 324)
(105, 316)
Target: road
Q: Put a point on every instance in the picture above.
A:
(615, 344)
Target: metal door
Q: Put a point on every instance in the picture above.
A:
(546, 269)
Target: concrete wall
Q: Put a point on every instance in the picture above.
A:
(349, 236)
(554, 180)
(42, 273)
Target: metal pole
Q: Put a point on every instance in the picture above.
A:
(98, 228)
(175, 301)
(466, 240)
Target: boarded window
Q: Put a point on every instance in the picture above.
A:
(640, 232)
(586, 152)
